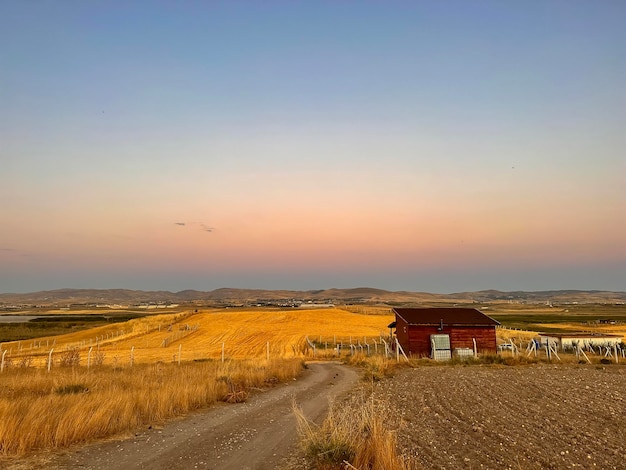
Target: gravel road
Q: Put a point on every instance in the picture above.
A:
(259, 434)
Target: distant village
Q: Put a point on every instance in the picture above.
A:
(287, 303)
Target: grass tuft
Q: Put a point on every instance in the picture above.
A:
(374, 368)
(353, 435)
(71, 388)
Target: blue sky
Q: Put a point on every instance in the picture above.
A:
(440, 146)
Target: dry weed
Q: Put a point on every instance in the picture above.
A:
(353, 435)
(70, 358)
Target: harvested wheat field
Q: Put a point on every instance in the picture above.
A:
(540, 416)
(243, 334)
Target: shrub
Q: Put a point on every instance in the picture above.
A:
(25, 361)
(69, 358)
(98, 358)
(71, 388)
(353, 435)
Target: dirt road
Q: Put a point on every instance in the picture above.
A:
(259, 434)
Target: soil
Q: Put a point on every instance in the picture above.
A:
(258, 434)
(521, 417)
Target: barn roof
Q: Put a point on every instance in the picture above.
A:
(449, 316)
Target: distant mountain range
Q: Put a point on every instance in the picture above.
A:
(64, 297)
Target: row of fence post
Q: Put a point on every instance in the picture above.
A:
(354, 348)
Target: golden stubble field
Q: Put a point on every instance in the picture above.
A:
(243, 334)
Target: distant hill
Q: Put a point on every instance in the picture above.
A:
(64, 297)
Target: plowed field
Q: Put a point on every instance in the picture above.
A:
(525, 417)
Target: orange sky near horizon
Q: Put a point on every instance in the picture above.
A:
(437, 146)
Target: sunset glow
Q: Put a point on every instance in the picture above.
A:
(428, 147)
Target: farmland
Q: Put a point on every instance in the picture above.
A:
(536, 416)
(51, 324)
(200, 335)
(561, 318)
(150, 369)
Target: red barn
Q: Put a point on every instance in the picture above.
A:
(440, 332)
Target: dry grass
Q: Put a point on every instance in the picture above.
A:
(367, 309)
(353, 435)
(72, 405)
(618, 329)
(505, 335)
(375, 367)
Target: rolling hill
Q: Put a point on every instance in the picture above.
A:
(65, 297)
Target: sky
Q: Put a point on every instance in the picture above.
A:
(424, 146)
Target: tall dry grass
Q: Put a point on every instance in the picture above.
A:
(353, 435)
(374, 367)
(40, 410)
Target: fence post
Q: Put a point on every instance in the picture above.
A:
(311, 345)
(89, 358)
(222, 353)
(132, 355)
(50, 359)
(180, 347)
(268, 350)
(400, 350)
(2, 365)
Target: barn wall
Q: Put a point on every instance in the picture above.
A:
(402, 333)
(460, 337)
(419, 340)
